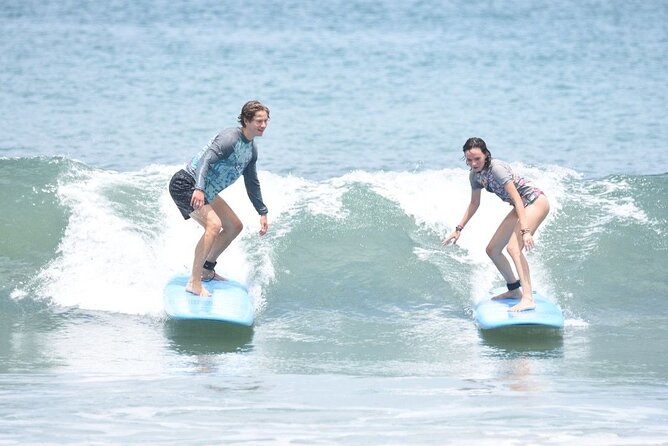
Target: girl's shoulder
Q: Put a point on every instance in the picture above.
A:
(498, 167)
(498, 163)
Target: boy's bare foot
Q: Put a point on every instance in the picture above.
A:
(197, 290)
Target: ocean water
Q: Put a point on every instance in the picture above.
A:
(364, 328)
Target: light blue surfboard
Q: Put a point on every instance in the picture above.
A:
(229, 302)
(491, 314)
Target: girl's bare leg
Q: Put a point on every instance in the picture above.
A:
(494, 250)
(535, 214)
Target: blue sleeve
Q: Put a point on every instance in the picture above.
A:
(220, 148)
(252, 184)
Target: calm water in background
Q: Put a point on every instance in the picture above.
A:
(364, 331)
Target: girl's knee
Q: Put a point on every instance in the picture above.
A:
(513, 250)
(492, 251)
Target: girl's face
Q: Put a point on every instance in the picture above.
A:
(475, 159)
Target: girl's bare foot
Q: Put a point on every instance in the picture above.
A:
(208, 275)
(510, 294)
(524, 305)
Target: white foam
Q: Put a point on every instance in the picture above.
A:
(105, 261)
(437, 199)
(612, 201)
(119, 261)
(575, 323)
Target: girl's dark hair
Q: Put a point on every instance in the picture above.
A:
(249, 109)
(478, 143)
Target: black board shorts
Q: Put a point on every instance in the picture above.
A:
(181, 188)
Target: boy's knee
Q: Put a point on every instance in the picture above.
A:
(214, 226)
(235, 228)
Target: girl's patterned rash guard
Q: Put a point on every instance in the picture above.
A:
(495, 177)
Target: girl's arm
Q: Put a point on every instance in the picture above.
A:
(526, 232)
(470, 211)
(517, 203)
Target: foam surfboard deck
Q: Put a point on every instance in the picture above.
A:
(491, 314)
(229, 302)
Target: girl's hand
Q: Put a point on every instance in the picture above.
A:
(527, 239)
(453, 237)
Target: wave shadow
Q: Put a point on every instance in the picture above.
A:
(207, 337)
(525, 340)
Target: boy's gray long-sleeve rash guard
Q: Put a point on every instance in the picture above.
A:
(228, 156)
